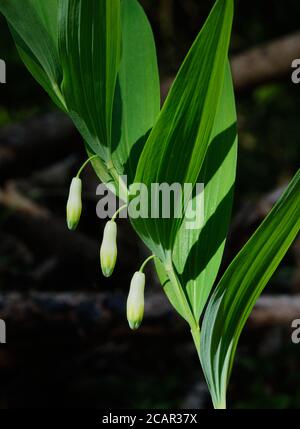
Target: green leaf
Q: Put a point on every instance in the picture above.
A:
(90, 50)
(48, 13)
(36, 42)
(240, 287)
(137, 99)
(198, 252)
(39, 74)
(176, 147)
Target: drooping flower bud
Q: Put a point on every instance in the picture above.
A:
(74, 204)
(108, 250)
(135, 300)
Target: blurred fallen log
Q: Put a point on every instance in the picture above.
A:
(84, 313)
(275, 310)
(252, 212)
(37, 226)
(48, 237)
(265, 63)
(36, 143)
(105, 312)
(259, 65)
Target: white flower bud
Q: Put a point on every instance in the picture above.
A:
(135, 300)
(108, 250)
(74, 204)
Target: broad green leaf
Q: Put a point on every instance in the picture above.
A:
(40, 76)
(197, 253)
(48, 13)
(36, 42)
(90, 49)
(240, 287)
(89, 76)
(176, 147)
(137, 98)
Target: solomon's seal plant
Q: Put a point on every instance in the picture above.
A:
(97, 61)
(74, 204)
(108, 250)
(135, 300)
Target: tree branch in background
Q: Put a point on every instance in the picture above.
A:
(36, 143)
(36, 226)
(106, 311)
(265, 63)
(259, 65)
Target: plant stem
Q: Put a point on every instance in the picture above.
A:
(59, 95)
(123, 191)
(85, 164)
(146, 262)
(194, 324)
(183, 300)
(195, 331)
(196, 337)
(221, 406)
(118, 211)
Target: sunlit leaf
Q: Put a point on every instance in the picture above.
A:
(198, 252)
(137, 98)
(176, 147)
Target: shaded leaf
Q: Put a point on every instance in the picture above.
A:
(36, 42)
(240, 287)
(90, 49)
(48, 13)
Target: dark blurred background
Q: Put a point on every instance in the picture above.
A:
(68, 344)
